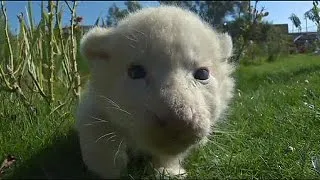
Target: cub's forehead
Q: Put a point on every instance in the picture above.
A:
(169, 33)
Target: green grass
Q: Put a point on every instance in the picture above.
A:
(276, 106)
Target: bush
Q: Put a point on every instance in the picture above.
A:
(268, 46)
(277, 44)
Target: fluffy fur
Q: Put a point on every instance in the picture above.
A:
(164, 114)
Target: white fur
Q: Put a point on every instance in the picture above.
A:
(171, 43)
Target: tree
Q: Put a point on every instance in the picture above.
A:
(213, 12)
(247, 28)
(190, 5)
(115, 14)
(240, 8)
(246, 21)
(314, 14)
(295, 21)
(132, 6)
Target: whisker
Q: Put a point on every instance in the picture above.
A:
(111, 138)
(114, 104)
(90, 124)
(120, 109)
(116, 154)
(131, 39)
(142, 33)
(132, 46)
(134, 36)
(110, 101)
(144, 36)
(98, 119)
(104, 136)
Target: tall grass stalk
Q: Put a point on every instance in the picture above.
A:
(44, 60)
(11, 84)
(76, 76)
(51, 45)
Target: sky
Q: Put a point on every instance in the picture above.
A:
(279, 11)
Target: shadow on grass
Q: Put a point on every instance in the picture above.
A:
(61, 160)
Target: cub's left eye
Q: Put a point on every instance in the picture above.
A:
(201, 74)
(136, 72)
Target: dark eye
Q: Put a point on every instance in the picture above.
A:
(201, 74)
(136, 72)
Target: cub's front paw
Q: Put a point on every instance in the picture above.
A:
(166, 173)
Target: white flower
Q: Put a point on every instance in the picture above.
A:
(316, 163)
(290, 148)
(311, 106)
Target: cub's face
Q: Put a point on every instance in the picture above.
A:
(168, 78)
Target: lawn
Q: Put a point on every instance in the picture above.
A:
(272, 130)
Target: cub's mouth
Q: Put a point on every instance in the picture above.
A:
(171, 135)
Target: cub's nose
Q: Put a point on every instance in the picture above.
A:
(177, 128)
(173, 121)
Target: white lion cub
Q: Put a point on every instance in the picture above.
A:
(159, 82)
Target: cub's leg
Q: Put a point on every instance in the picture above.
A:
(105, 156)
(102, 147)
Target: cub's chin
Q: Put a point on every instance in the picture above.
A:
(169, 137)
(164, 145)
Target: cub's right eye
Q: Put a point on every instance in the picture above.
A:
(136, 72)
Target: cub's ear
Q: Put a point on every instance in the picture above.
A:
(94, 44)
(226, 45)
